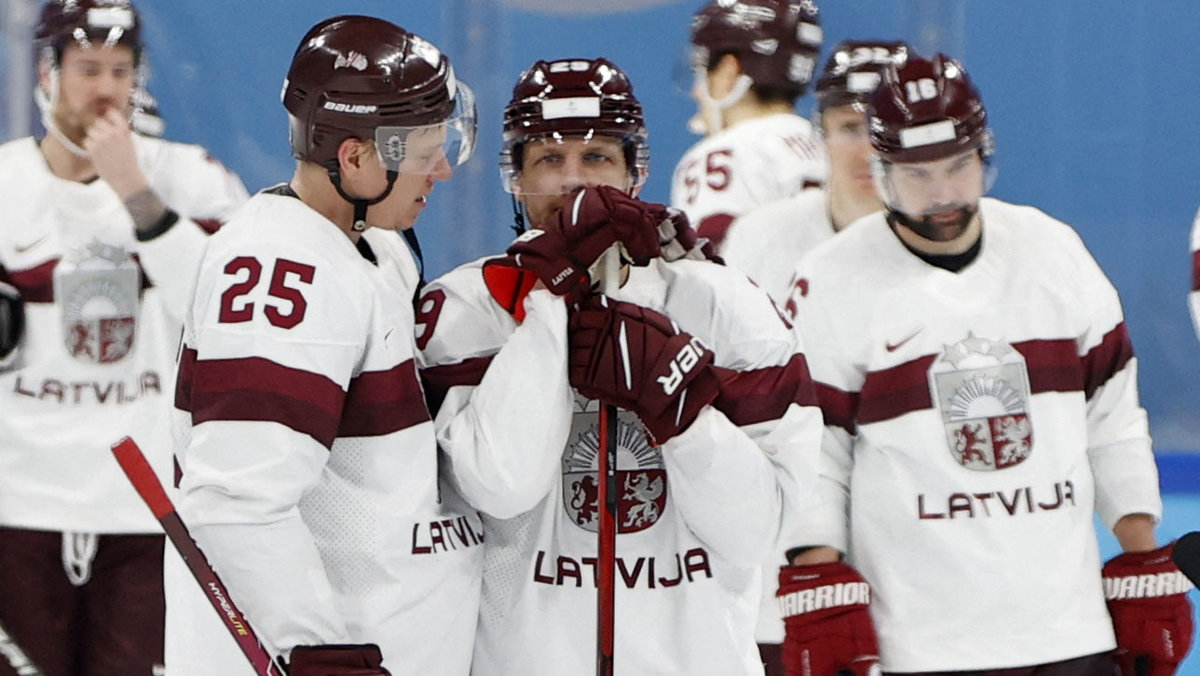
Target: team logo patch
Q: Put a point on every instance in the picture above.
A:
(98, 289)
(641, 478)
(981, 387)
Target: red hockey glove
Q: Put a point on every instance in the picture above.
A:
(1147, 598)
(829, 629)
(562, 251)
(637, 359)
(337, 660)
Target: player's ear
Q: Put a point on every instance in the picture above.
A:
(353, 154)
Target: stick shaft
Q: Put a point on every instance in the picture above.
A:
(143, 478)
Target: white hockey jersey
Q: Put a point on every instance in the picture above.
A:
(697, 515)
(977, 419)
(768, 242)
(310, 469)
(102, 327)
(1194, 296)
(747, 165)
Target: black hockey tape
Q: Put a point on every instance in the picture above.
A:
(1186, 555)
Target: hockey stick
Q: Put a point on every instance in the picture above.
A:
(17, 659)
(134, 463)
(606, 475)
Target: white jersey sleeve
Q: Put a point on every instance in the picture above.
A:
(490, 373)
(203, 193)
(750, 164)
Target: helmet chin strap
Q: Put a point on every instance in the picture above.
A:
(709, 119)
(360, 205)
(45, 103)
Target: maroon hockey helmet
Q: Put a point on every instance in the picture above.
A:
(87, 23)
(363, 77)
(926, 110)
(775, 41)
(853, 71)
(573, 97)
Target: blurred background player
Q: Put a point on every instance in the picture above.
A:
(768, 241)
(102, 232)
(751, 60)
(309, 465)
(707, 466)
(980, 390)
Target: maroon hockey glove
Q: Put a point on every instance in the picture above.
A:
(828, 625)
(678, 239)
(563, 249)
(1147, 598)
(637, 359)
(337, 660)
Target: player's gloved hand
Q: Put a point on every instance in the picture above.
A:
(637, 359)
(1147, 598)
(12, 323)
(828, 625)
(678, 239)
(337, 660)
(562, 252)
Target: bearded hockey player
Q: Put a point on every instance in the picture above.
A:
(100, 240)
(309, 465)
(717, 438)
(979, 385)
(751, 60)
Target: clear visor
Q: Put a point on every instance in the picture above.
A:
(928, 188)
(431, 148)
(558, 164)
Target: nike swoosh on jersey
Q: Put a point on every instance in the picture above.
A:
(892, 347)
(27, 247)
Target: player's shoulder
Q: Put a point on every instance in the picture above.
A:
(459, 317)
(1029, 229)
(280, 226)
(17, 158)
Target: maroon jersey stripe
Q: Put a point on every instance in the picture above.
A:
(763, 394)
(382, 402)
(259, 389)
(439, 379)
(1196, 271)
(208, 225)
(840, 408)
(1053, 365)
(892, 392)
(36, 284)
(1106, 359)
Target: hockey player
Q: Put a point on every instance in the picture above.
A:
(752, 59)
(767, 242)
(99, 243)
(979, 386)
(519, 374)
(309, 466)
